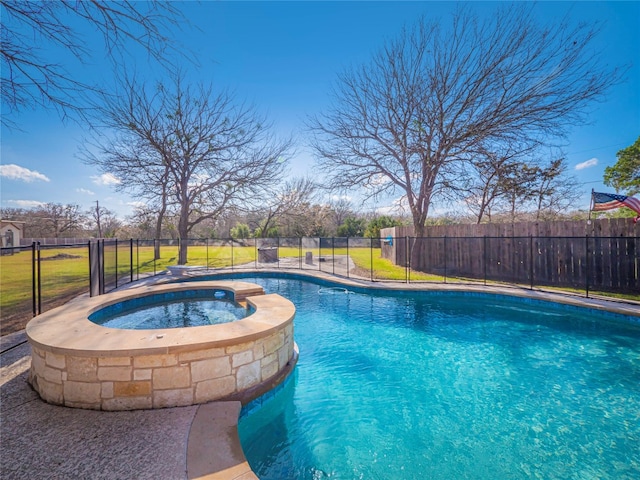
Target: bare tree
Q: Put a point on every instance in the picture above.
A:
(189, 149)
(57, 219)
(51, 220)
(312, 220)
(433, 99)
(32, 30)
(491, 178)
(342, 209)
(103, 221)
(110, 225)
(286, 202)
(553, 191)
(519, 182)
(142, 223)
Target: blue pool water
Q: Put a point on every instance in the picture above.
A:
(188, 308)
(448, 386)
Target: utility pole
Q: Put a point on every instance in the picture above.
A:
(98, 219)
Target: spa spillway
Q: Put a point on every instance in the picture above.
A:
(78, 363)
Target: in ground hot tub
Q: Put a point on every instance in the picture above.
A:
(78, 363)
(174, 309)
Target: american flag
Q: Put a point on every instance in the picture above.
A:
(609, 201)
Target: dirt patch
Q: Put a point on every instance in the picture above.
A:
(61, 256)
(16, 319)
(15, 323)
(361, 272)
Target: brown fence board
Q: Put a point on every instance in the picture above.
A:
(603, 254)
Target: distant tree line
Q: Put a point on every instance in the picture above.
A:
(308, 219)
(55, 220)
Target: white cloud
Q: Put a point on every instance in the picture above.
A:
(399, 206)
(106, 179)
(592, 162)
(136, 204)
(339, 198)
(452, 209)
(376, 181)
(26, 203)
(16, 172)
(85, 191)
(198, 179)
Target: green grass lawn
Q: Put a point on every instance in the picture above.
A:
(64, 273)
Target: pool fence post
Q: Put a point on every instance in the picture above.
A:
(407, 268)
(445, 259)
(101, 263)
(255, 248)
(137, 259)
(231, 241)
(484, 258)
(91, 269)
(348, 258)
(33, 278)
(206, 246)
(333, 253)
(300, 253)
(117, 272)
(531, 259)
(588, 265)
(371, 255)
(154, 256)
(278, 250)
(94, 268)
(131, 258)
(39, 280)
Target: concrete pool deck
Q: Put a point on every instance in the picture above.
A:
(38, 440)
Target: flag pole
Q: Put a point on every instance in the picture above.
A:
(590, 208)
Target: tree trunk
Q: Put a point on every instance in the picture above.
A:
(184, 244)
(183, 232)
(414, 256)
(156, 245)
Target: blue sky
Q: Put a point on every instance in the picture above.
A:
(284, 58)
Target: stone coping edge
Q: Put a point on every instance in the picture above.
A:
(214, 451)
(66, 330)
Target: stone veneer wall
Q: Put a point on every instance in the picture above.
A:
(157, 381)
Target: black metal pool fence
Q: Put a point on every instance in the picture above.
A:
(583, 265)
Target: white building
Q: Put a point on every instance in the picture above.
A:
(11, 232)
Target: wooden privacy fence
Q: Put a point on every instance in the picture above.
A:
(504, 253)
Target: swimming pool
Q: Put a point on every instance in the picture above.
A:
(448, 385)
